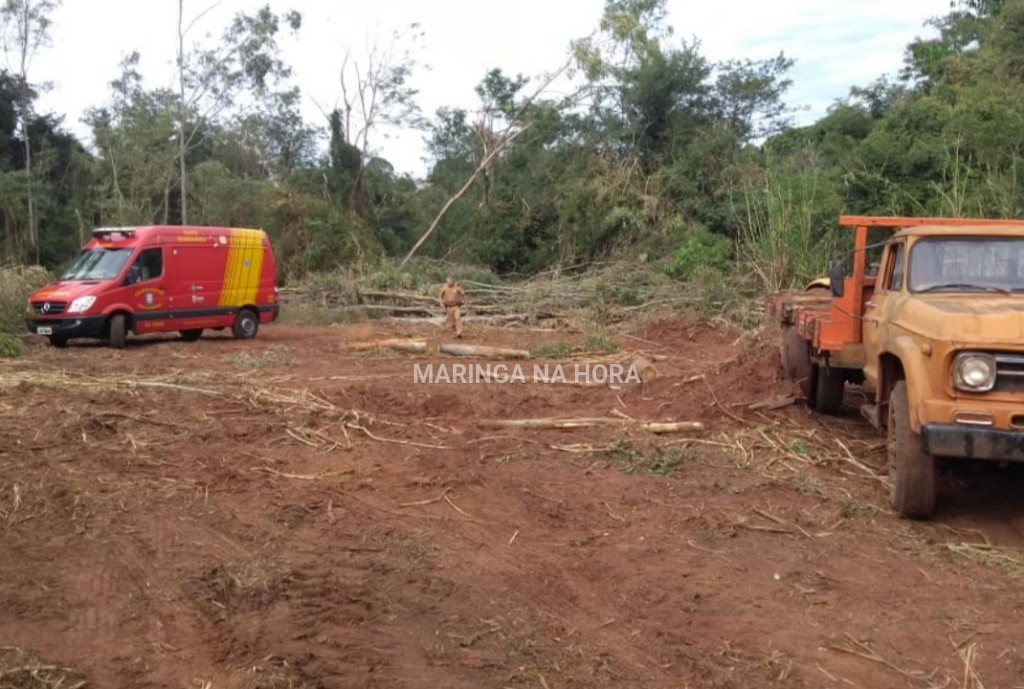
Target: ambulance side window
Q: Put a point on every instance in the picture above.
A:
(148, 266)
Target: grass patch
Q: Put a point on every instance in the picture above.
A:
(598, 344)
(658, 462)
(555, 350)
(10, 346)
(274, 356)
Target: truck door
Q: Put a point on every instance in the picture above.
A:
(878, 309)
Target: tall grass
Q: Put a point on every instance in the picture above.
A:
(16, 284)
(787, 217)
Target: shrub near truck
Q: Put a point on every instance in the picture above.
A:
(160, 279)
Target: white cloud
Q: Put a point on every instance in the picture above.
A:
(836, 43)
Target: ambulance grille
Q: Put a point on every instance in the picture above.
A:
(49, 308)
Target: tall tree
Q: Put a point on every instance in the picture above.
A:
(25, 29)
(377, 95)
(212, 80)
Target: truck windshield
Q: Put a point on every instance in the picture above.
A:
(983, 264)
(97, 264)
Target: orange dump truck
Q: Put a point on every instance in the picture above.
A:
(936, 338)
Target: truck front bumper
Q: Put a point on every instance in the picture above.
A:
(67, 328)
(972, 442)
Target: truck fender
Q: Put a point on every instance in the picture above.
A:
(912, 368)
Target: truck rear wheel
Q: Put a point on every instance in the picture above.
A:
(796, 359)
(911, 470)
(829, 385)
(118, 331)
(246, 326)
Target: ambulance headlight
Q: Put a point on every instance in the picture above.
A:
(81, 305)
(974, 372)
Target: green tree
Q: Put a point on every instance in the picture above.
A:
(25, 27)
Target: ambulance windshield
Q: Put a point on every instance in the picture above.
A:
(97, 264)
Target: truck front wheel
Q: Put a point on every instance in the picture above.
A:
(911, 470)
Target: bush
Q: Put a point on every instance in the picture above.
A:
(10, 346)
(701, 250)
(16, 284)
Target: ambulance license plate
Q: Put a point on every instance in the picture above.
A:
(44, 331)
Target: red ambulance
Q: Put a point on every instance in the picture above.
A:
(160, 279)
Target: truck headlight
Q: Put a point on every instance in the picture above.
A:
(974, 372)
(81, 305)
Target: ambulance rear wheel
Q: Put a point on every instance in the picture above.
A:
(246, 325)
(191, 335)
(118, 331)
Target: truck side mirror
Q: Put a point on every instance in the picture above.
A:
(836, 277)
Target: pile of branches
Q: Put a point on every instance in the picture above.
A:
(613, 293)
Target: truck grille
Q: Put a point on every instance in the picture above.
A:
(49, 308)
(1009, 373)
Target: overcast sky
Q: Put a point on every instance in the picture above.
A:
(836, 44)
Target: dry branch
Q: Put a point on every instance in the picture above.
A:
(396, 441)
(588, 422)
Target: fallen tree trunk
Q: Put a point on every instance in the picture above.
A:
(484, 351)
(412, 346)
(433, 347)
(422, 310)
(585, 422)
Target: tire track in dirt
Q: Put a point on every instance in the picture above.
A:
(538, 585)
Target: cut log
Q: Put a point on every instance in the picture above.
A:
(773, 403)
(483, 351)
(672, 427)
(412, 346)
(588, 422)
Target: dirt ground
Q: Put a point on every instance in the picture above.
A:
(287, 512)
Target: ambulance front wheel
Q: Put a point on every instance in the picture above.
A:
(247, 323)
(118, 331)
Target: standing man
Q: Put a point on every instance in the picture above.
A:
(452, 299)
